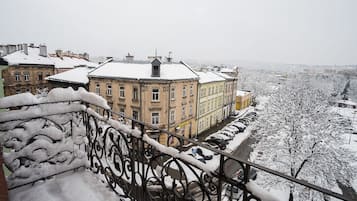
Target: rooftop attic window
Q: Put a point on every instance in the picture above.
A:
(155, 69)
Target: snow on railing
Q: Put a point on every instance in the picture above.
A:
(60, 132)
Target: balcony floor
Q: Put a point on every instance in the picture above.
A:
(75, 186)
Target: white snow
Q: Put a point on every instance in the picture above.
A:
(78, 186)
(225, 76)
(71, 62)
(18, 100)
(242, 93)
(33, 57)
(142, 71)
(55, 95)
(77, 75)
(207, 77)
(260, 192)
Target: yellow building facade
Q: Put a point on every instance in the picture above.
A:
(243, 99)
(210, 100)
(163, 95)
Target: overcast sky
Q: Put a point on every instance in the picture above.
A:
(286, 31)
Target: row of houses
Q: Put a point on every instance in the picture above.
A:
(169, 95)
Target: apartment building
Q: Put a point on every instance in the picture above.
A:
(210, 100)
(229, 93)
(25, 69)
(159, 93)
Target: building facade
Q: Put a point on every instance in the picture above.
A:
(229, 94)
(210, 100)
(243, 99)
(162, 94)
(26, 70)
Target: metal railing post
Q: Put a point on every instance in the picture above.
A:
(220, 177)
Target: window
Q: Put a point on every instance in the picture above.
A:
(172, 116)
(121, 92)
(155, 118)
(122, 111)
(155, 95)
(18, 91)
(48, 74)
(135, 115)
(209, 91)
(183, 112)
(97, 89)
(17, 76)
(109, 90)
(27, 76)
(172, 94)
(40, 77)
(191, 111)
(135, 93)
(184, 91)
(191, 90)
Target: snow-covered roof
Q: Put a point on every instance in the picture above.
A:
(227, 70)
(142, 71)
(71, 62)
(33, 57)
(77, 75)
(206, 77)
(225, 76)
(242, 93)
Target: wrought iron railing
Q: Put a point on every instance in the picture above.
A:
(131, 156)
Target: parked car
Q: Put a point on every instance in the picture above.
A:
(252, 174)
(226, 133)
(231, 192)
(239, 125)
(243, 121)
(220, 136)
(231, 129)
(217, 143)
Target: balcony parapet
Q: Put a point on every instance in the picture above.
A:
(58, 133)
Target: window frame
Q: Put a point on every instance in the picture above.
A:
(155, 95)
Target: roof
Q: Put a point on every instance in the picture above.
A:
(227, 70)
(142, 71)
(71, 62)
(242, 93)
(77, 75)
(33, 57)
(206, 77)
(225, 76)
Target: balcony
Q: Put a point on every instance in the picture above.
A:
(49, 140)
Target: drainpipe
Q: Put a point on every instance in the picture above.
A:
(197, 107)
(168, 108)
(141, 103)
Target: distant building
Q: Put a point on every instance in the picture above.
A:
(26, 69)
(75, 78)
(210, 100)
(243, 99)
(229, 94)
(162, 94)
(68, 60)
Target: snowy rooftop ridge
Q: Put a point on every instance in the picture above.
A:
(207, 77)
(71, 62)
(142, 71)
(32, 57)
(77, 75)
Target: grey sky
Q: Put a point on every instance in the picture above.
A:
(300, 31)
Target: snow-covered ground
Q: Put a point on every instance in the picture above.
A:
(78, 186)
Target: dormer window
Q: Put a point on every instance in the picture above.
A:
(155, 69)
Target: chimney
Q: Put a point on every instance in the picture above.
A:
(129, 58)
(169, 58)
(85, 56)
(59, 53)
(155, 68)
(26, 49)
(43, 50)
